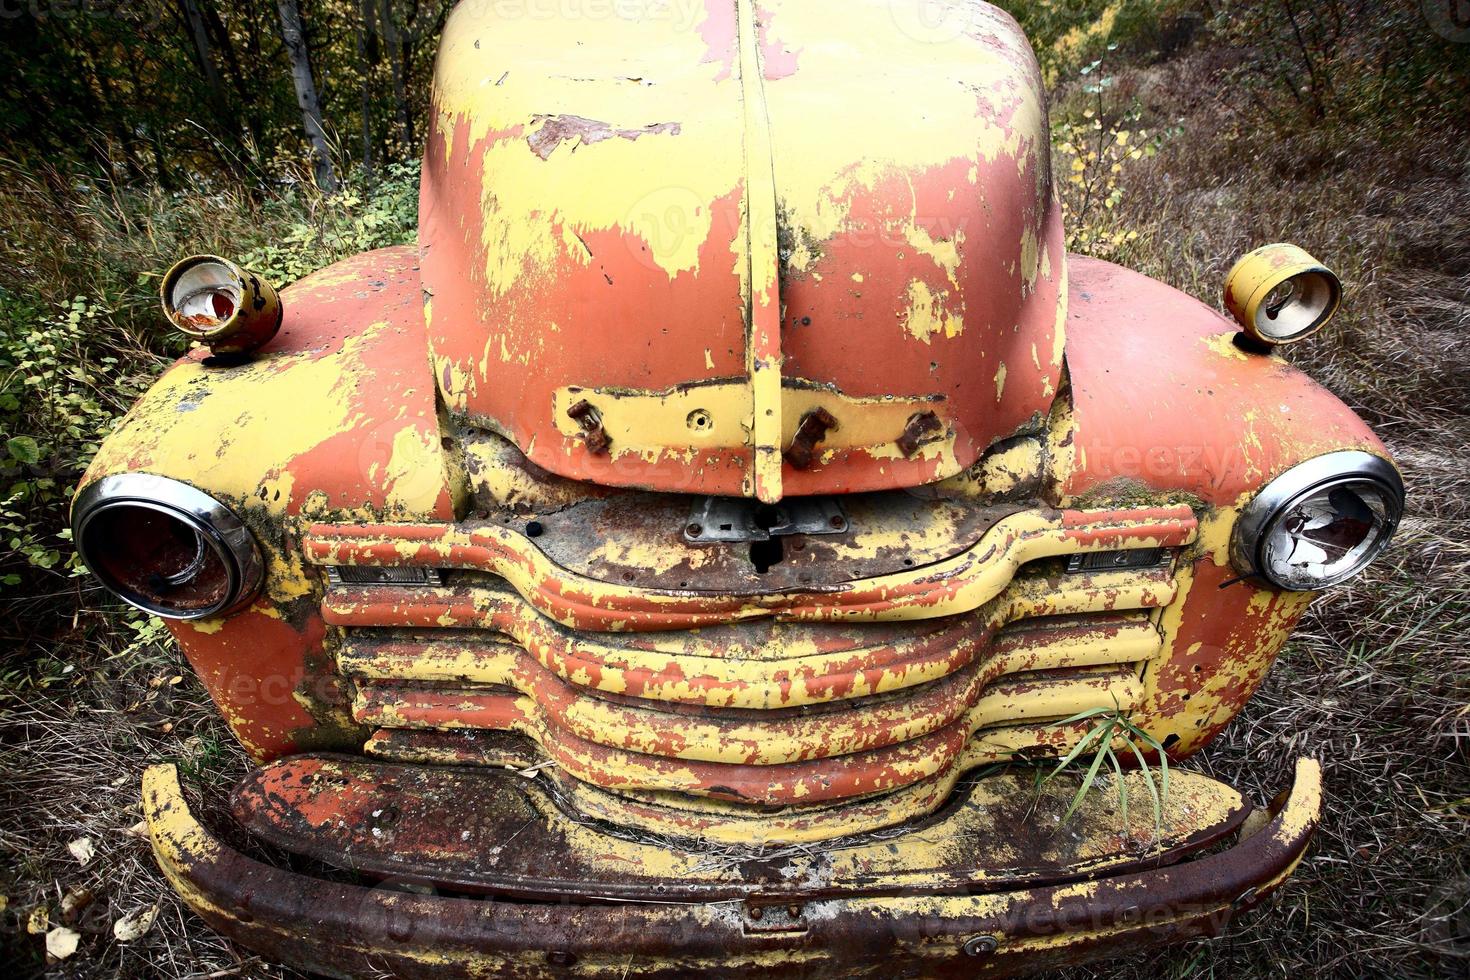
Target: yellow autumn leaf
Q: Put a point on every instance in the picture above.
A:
(61, 942)
(135, 925)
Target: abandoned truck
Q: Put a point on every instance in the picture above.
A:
(687, 558)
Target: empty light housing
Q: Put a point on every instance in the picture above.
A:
(1279, 294)
(214, 301)
(166, 547)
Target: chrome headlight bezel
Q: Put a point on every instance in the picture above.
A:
(217, 528)
(1278, 498)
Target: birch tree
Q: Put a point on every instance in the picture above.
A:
(306, 93)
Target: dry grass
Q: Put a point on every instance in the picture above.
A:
(1376, 683)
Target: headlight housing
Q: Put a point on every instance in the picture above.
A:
(165, 547)
(1319, 523)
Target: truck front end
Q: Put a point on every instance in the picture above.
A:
(686, 558)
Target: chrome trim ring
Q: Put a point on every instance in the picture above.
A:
(1278, 496)
(218, 528)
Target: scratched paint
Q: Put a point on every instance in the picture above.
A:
(730, 170)
(644, 267)
(361, 930)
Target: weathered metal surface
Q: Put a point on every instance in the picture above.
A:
(427, 683)
(721, 821)
(1193, 422)
(1162, 401)
(347, 930)
(334, 419)
(451, 827)
(635, 538)
(710, 215)
(726, 519)
(748, 665)
(825, 759)
(956, 585)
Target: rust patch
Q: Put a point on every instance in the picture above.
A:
(590, 419)
(922, 428)
(812, 429)
(553, 131)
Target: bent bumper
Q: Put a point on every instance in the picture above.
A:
(346, 930)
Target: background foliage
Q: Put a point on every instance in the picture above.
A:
(1186, 131)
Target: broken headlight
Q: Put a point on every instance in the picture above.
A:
(165, 547)
(1321, 522)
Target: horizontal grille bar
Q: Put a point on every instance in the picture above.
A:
(813, 780)
(683, 669)
(956, 585)
(716, 734)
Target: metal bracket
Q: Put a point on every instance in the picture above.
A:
(776, 917)
(713, 519)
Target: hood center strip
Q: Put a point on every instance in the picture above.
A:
(763, 334)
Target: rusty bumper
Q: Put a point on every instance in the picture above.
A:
(347, 929)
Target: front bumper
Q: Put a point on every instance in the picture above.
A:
(1004, 920)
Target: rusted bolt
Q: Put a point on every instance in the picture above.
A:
(534, 529)
(980, 945)
(694, 530)
(794, 911)
(756, 912)
(560, 957)
(921, 428)
(812, 429)
(838, 522)
(590, 419)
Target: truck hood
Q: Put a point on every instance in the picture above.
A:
(743, 247)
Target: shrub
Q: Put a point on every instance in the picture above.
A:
(81, 338)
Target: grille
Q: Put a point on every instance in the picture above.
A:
(787, 715)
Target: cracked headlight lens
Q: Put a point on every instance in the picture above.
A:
(1321, 522)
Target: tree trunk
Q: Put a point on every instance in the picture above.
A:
(367, 58)
(306, 94)
(397, 61)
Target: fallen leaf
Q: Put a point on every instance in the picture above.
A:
(4, 902)
(38, 921)
(176, 680)
(74, 901)
(61, 942)
(139, 829)
(82, 850)
(134, 926)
